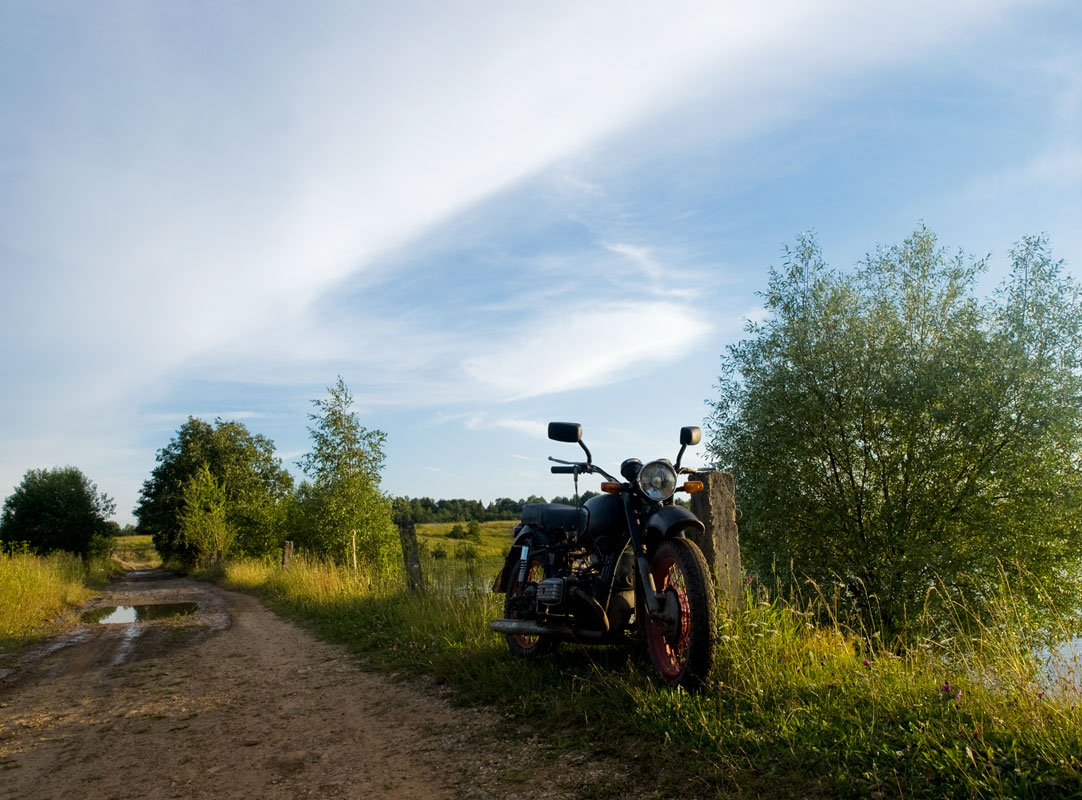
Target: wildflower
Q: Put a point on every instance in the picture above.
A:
(1040, 693)
(867, 663)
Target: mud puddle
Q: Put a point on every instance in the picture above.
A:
(109, 615)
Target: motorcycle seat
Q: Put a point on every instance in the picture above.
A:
(554, 516)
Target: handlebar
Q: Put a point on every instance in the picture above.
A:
(582, 468)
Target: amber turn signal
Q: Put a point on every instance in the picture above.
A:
(610, 487)
(691, 487)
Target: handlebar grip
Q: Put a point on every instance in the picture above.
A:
(563, 470)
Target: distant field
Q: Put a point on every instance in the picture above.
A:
(136, 550)
(495, 538)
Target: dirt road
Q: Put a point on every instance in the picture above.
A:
(233, 702)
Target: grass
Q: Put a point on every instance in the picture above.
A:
(796, 706)
(136, 550)
(38, 594)
(494, 541)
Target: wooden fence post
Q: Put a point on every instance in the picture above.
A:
(287, 553)
(407, 533)
(715, 505)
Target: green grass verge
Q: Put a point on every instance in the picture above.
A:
(795, 707)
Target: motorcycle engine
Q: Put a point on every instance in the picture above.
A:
(550, 591)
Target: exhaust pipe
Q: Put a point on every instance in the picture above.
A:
(525, 627)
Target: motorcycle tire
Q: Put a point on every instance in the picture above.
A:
(521, 645)
(683, 655)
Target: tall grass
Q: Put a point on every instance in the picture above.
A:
(799, 704)
(37, 591)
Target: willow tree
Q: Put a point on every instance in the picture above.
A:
(889, 431)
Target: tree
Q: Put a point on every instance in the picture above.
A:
(887, 431)
(254, 483)
(347, 516)
(204, 527)
(58, 509)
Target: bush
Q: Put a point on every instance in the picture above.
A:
(466, 551)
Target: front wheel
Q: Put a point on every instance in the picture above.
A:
(682, 642)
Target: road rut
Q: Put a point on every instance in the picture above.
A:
(235, 702)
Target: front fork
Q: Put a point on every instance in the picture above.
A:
(655, 604)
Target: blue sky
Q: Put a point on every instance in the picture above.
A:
(484, 216)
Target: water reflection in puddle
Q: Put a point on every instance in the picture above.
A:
(111, 614)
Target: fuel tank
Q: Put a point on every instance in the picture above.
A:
(607, 526)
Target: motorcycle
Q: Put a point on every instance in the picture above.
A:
(618, 567)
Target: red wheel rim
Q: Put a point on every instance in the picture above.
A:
(670, 659)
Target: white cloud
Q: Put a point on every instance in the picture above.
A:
(584, 346)
(197, 202)
(659, 280)
(538, 430)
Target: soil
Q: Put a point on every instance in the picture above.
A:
(235, 702)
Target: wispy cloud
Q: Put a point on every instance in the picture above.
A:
(538, 430)
(659, 280)
(584, 346)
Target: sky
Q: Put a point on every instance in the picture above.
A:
(482, 215)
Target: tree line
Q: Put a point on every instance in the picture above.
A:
(425, 509)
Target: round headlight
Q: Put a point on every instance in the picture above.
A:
(657, 480)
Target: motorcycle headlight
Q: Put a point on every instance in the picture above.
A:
(657, 480)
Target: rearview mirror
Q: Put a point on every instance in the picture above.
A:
(688, 436)
(565, 431)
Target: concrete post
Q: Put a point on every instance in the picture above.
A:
(287, 553)
(715, 505)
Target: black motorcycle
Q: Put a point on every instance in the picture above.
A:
(619, 564)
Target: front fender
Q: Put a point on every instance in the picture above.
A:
(671, 520)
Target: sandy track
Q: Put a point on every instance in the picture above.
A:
(235, 702)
